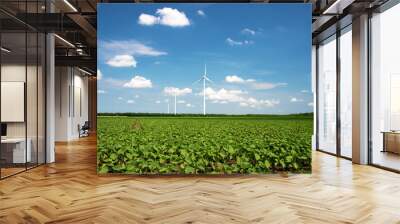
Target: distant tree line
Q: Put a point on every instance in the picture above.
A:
(272, 116)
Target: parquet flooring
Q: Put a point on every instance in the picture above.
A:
(69, 191)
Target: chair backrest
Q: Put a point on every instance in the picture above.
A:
(86, 125)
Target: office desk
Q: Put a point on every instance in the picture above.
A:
(16, 147)
(391, 141)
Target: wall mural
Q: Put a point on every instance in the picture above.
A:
(204, 88)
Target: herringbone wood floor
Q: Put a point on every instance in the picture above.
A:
(69, 191)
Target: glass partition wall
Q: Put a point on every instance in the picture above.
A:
(13, 88)
(334, 79)
(385, 89)
(334, 95)
(22, 77)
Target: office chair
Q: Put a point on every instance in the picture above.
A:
(84, 130)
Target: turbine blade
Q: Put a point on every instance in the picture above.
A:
(208, 79)
(197, 81)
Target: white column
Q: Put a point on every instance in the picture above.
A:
(360, 90)
(50, 99)
(204, 95)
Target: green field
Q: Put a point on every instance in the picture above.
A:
(204, 145)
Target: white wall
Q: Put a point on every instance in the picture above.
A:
(71, 94)
(80, 109)
(62, 82)
(17, 73)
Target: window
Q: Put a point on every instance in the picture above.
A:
(327, 95)
(385, 88)
(346, 92)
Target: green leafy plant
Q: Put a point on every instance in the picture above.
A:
(203, 145)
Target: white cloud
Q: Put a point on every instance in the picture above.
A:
(122, 61)
(138, 82)
(136, 96)
(311, 104)
(173, 91)
(189, 105)
(232, 42)
(129, 47)
(224, 96)
(220, 101)
(100, 91)
(172, 17)
(157, 62)
(147, 20)
(165, 16)
(295, 100)
(252, 82)
(181, 101)
(130, 101)
(249, 31)
(304, 91)
(114, 82)
(201, 13)
(254, 103)
(267, 85)
(237, 79)
(120, 98)
(158, 102)
(99, 74)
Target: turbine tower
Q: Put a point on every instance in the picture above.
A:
(167, 101)
(204, 78)
(175, 104)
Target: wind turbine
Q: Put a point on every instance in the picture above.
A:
(204, 78)
(167, 101)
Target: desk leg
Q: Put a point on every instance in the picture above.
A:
(384, 142)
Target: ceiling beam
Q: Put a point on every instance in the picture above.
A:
(84, 24)
(338, 6)
(79, 61)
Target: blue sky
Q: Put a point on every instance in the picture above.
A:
(258, 57)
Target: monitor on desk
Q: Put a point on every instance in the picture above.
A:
(3, 130)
